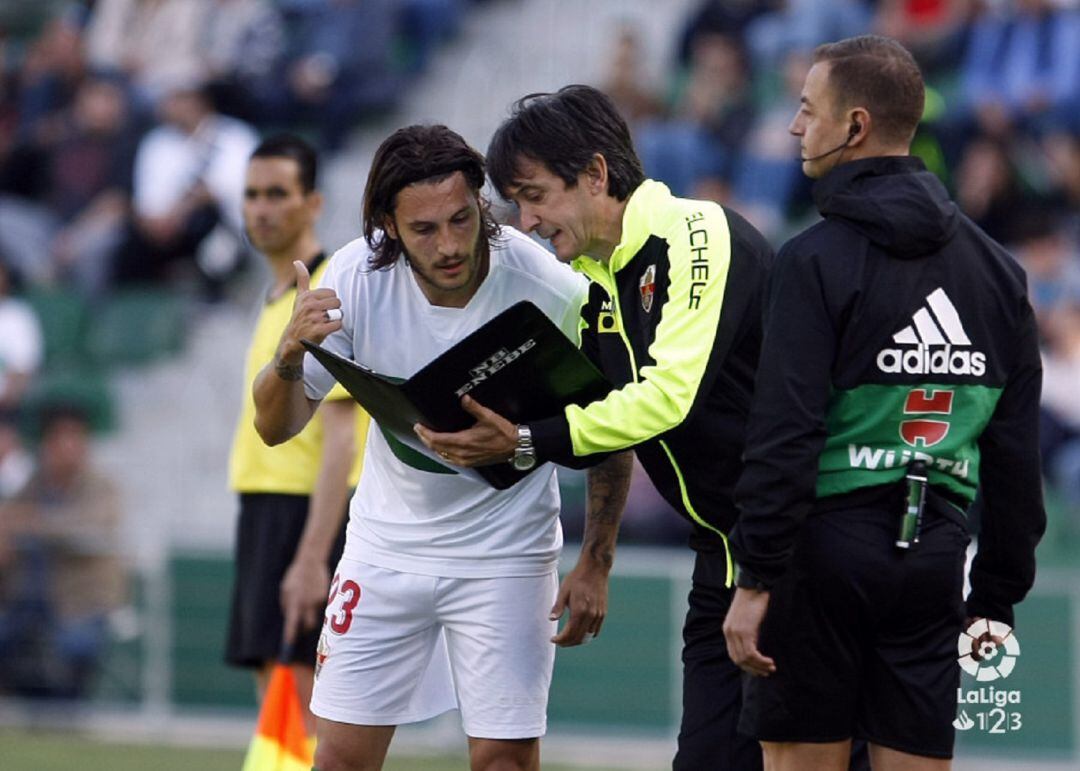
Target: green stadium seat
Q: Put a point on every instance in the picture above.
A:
(121, 676)
(24, 19)
(79, 387)
(63, 316)
(136, 326)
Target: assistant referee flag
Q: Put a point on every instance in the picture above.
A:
(281, 742)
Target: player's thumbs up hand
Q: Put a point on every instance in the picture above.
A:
(316, 314)
(303, 278)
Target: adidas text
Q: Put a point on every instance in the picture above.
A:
(932, 360)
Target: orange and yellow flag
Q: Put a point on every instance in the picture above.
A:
(281, 743)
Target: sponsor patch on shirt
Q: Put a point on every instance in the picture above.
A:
(934, 343)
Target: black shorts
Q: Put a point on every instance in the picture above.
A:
(864, 636)
(267, 534)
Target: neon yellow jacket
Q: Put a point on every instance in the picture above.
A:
(674, 321)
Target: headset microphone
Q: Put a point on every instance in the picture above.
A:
(855, 129)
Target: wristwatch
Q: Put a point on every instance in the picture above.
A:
(524, 454)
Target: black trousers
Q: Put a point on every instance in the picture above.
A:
(713, 685)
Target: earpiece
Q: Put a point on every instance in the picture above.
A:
(853, 129)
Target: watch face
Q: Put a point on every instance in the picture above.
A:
(524, 461)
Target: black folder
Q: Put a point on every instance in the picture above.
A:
(518, 364)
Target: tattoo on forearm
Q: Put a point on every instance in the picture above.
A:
(290, 372)
(601, 553)
(603, 492)
(607, 486)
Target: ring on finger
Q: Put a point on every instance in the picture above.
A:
(333, 314)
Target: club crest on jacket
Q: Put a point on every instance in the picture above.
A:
(648, 287)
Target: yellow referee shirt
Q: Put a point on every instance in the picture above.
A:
(292, 467)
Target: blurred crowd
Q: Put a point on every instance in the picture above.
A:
(63, 571)
(125, 132)
(125, 125)
(125, 128)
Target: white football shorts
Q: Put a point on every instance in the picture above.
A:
(400, 648)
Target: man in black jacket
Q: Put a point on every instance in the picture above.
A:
(899, 344)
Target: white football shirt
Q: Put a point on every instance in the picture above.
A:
(404, 516)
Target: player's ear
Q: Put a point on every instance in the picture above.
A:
(596, 175)
(390, 228)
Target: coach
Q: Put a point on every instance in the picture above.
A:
(899, 343)
(673, 318)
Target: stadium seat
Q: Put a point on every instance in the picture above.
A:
(79, 387)
(136, 326)
(120, 678)
(63, 316)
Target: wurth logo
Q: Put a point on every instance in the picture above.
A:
(924, 432)
(941, 346)
(863, 456)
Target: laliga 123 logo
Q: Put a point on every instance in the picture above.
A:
(988, 651)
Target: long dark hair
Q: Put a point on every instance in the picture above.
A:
(416, 154)
(563, 131)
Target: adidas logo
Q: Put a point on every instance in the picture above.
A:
(941, 344)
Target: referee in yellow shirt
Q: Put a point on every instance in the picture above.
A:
(293, 497)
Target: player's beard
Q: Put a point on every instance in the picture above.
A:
(477, 268)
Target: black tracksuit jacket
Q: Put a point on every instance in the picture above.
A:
(895, 329)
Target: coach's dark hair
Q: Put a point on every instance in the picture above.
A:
(294, 148)
(564, 131)
(416, 154)
(881, 75)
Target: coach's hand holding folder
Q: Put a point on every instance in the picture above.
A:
(518, 365)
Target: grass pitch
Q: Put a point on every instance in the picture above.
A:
(54, 751)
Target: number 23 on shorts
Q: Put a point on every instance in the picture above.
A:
(340, 619)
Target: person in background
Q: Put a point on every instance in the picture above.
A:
(337, 67)
(62, 567)
(22, 347)
(187, 189)
(150, 43)
(16, 462)
(67, 228)
(293, 498)
(241, 44)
